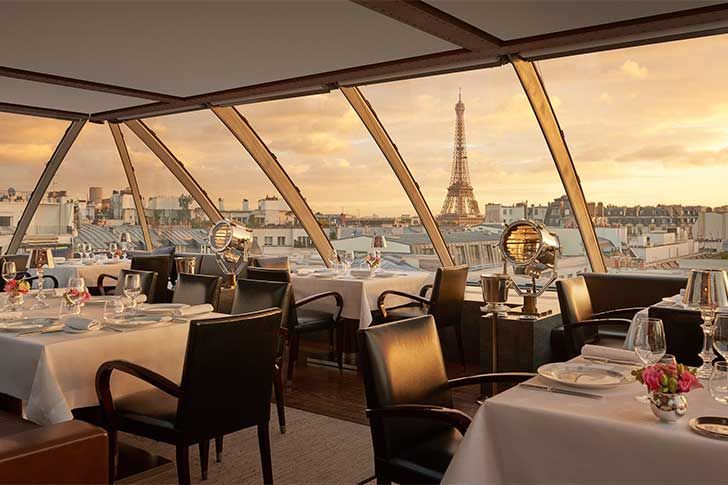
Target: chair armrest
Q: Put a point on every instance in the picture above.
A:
(45, 277)
(450, 416)
(596, 323)
(326, 294)
(424, 289)
(68, 452)
(616, 313)
(380, 301)
(100, 281)
(490, 378)
(103, 382)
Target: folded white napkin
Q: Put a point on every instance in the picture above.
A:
(193, 310)
(80, 323)
(11, 315)
(59, 259)
(599, 352)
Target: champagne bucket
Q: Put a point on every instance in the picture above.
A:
(186, 264)
(495, 288)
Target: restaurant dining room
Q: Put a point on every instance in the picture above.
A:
(363, 241)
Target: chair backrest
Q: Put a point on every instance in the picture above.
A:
(255, 295)
(161, 265)
(270, 262)
(196, 289)
(402, 363)
(574, 300)
(448, 295)
(227, 376)
(282, 276)
(147, 280)
(20, 260)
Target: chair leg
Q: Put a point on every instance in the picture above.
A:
(113, 442)
(265, 459)
(461, 348)
(218, 449)
(183, 465)
(331, 339)
(292, 356)
(340, 346)
(280, 406)
(204, 457)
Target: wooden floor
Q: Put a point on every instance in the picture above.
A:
(323, 390)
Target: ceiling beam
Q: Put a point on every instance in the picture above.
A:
(21, 109)
(68, 82)
(426, 18)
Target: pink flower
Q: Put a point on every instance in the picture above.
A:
(688, 382)
(651, 377)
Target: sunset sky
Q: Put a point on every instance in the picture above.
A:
(645, 125)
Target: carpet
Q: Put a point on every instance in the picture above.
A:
(316, 449)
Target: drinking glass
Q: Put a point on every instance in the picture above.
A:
(349, 259)
(718, 382)
(112, 249)
(649, 343)
(78, 284)
(113, 310)
(333, 258)
(9, 270)
(132, 289)
(668, 359)
(720, 334)
(88, 251)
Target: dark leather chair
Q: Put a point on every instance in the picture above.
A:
(415, 430)
(20, 260)
(68, 452)
(304, 320)
(225, 387)
(196, 289)
(270, 262)
(147, 280)
(162, 265)
(254, 295)
(445, 302)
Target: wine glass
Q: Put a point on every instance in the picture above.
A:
(113, 247)
(113, 310)
(649, 343)
(718, 382)
(333, 258)
(9, 270)
(349, 259)
(132, 289)
(79, 286)
(720, 334)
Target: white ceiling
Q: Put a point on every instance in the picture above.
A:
(18, 91)
(189, 48)
(515, 19)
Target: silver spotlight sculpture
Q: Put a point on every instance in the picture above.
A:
(533, 252)
(230, 242)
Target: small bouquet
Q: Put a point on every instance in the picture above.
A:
(75, 296)
(16, 287)
(374, 261)
(668, 378)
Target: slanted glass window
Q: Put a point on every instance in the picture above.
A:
(474, 146)
(648, 139)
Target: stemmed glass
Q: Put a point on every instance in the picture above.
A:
(132, 289)
(74, 296)
(9, 270)
(89, 253)
(112, 249)
(649, 343)
(349, 259)
(720, 334)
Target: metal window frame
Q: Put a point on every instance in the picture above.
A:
(267, 161)
(165, 155)
(368, 116)
(118, 136)
(49, 172)
(534, 89)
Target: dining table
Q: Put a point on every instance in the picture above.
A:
(360, 294)
(532, 436)
(89, 270)
(54, 373)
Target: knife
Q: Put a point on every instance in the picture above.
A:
(42, 331)
(557, 390)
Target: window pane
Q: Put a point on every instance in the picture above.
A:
(500, 162)
(649, 143)
(328, 153)
(26, 144)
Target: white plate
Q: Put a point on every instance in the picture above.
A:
(140, 322)
(360, 273)
(24, 325)
(585, 375)
(324, 275)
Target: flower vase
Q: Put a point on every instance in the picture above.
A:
(668, 407)
(15, 301)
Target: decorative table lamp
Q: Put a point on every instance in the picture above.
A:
(40, 259)
(532, 250)
(230, 242)
(707, 290)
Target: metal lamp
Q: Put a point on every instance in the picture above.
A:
(707, 289)
(230, 242)
(40, 259)
(533, 251)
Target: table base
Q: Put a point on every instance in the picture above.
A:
(328, 359)
(136, 464)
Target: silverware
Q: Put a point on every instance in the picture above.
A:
(557, 390)
(610, 361)
(40, 332)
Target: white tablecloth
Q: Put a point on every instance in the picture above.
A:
(54, 373)
(526, 436)
(90, 273)
(360, 295)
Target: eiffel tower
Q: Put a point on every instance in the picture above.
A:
(460, 207)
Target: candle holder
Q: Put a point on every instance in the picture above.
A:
(40, 259)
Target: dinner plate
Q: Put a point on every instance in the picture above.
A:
(25, 324)
(585, 375)
(324, 275)
(710, 426)
(139, 322)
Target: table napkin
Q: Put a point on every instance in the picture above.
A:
(81, 323)
(11, 315)
(600, 352)
(193, 310)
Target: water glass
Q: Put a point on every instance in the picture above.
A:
(718, 382)
(79, 286)
(720, 334)
(349, 259)
(68, 309)
(132, 289)
(649, 344)
(667, 359)
(113, 310)
(9, 270)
